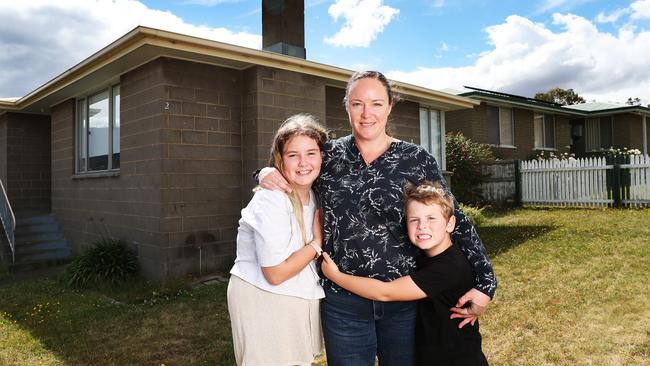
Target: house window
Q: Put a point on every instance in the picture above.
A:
(98, 131)
(598, 133)
(431, 133)
(500, 126)
(544, 130)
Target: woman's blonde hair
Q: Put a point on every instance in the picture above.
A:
(297, 125)
(430, 193)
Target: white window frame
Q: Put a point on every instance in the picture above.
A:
(426, 135)
(544, 145)
(82, 126)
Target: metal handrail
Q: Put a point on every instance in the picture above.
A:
(8, 221)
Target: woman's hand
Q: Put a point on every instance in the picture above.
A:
(271, 179)
(330, 269)
(478, 302)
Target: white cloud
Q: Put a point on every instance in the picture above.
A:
(364, 20)
(40, 39)
(438, 3)
(527, 57)
(640, 9)
(611, 17)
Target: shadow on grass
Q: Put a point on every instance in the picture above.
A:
(500, 239)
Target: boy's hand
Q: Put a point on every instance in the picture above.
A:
(271, 179)
(330, 269)
(478, 302)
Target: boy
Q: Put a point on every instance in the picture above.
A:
(443, 275)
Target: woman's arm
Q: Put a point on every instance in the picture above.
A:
(299, 259)
(401, 289)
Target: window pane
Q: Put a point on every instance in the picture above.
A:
(539, 130)
(492, 125)
(505, 126)
(592, 138)
(82, 134)
(606, 132)
(116, 127)
(424, 129)
(436, 135)
(98, 131)
(549, 130)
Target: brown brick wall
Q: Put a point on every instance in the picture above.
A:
(462, 121)
(337, 117)
(27, 164)
(628, 131)
(201, 166)
(272, 95)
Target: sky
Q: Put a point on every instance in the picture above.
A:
(601, 49)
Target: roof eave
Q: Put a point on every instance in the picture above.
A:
(141, 36)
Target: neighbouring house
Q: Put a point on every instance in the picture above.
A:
(515, 127)
(598, 126)
(518, 127)
(153, 139)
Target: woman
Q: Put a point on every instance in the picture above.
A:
(273, 294)
(360, 190)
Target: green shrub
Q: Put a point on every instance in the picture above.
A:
(108, 262)
(474, 214)
(463, 158)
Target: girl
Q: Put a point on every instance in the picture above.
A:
(273, 294)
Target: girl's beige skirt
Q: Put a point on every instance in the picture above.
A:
(272, 329)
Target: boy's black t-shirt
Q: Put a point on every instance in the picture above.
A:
(445, 278)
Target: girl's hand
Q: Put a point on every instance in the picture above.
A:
(330, 269)
(271, 179)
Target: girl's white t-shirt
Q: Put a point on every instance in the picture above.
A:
(268, 234)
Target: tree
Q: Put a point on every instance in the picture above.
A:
(633, 101)
(560, 96)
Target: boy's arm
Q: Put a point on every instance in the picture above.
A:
(401, 289)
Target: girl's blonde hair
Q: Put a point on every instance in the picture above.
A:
(430, 193)
(297, 125)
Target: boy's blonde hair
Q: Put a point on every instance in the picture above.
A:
(430, 193)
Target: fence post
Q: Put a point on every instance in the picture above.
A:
(517, 184)
(616, 182)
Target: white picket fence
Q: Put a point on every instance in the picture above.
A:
(583, 182)
(637, 193)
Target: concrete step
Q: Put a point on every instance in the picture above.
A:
(41, 228)
(44, 255)
(36, 237)
(42, 246)
(39, 243)
(22, 221)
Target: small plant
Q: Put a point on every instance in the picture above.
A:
(550, 155)
(463, 160)
(474, 214)
(108, 262)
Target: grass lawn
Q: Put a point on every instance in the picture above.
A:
(573, 289)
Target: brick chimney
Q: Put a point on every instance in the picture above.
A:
(283, 27)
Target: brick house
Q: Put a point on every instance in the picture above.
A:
(518, 127)
(153, 140)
